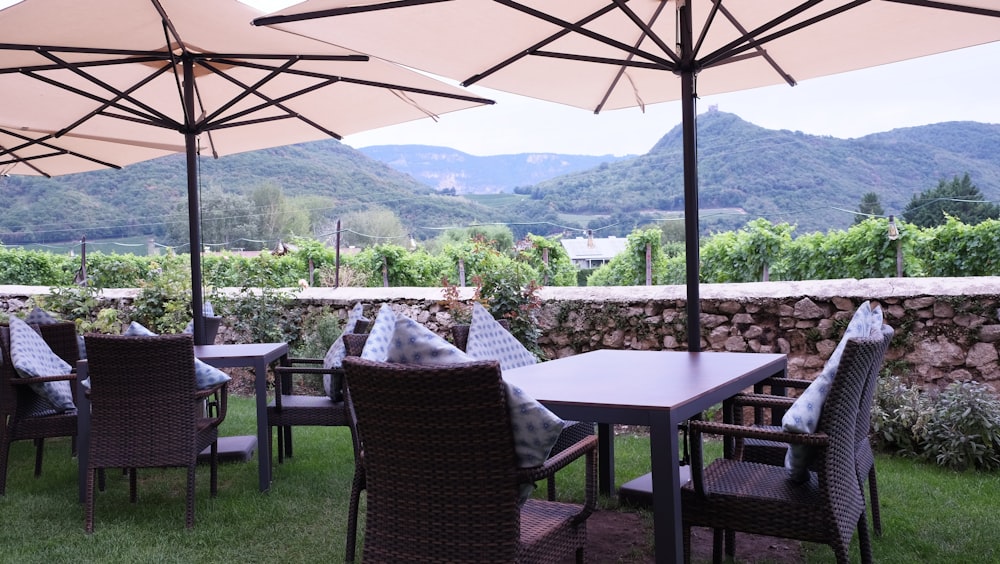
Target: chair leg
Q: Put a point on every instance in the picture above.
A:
(133, 493)
(288, 441)
(88, 503)
(39, 451)
(4, 455)
(357, 485)
(552, 488)
(718, 535)
(687, 544)
(873, 495)
(189, 514)
(214, 469)
(864, 540)
(281, 444)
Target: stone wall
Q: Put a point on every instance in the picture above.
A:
(947, 329)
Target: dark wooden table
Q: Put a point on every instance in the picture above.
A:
(658, 389)
(256, 356)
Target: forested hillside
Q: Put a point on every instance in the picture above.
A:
(784, 175)
(746, 172)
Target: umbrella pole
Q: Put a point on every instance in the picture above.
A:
(194, 207)
(689, 121)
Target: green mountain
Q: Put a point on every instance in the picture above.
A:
(141, 199)
(782, 175)
(745, 172)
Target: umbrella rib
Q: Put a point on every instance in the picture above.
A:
(276, 19)
(16, 159)
(952, 7)
(647, 31)
(738, 46)
(752, 42)
(567, 28)
(119, 94)
(83, 64)
(269, 102)
(246, 89)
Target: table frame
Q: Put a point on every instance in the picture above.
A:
(658, 389)
(256, 356)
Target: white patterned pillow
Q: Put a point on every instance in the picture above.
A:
(412, 343)
(803, 415)
(337, 351)
(377, 344)
(207, 309)
(32, 358)
(39, 316)
(488, 340)
(205, 375)
(535, 428)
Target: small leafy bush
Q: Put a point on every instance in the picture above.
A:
(958, 427)
(965, 429)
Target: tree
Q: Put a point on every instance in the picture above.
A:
(959, 199)
(375, 226)
(227, 221)
(870, 207)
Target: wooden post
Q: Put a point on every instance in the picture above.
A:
(312, 271)
(545, 261)
(385, 272)
(461, 273)
(649, 264)
(336, 260)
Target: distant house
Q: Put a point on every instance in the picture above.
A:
(590, 252)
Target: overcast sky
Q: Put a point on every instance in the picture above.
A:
(958, 86)
(961, 85)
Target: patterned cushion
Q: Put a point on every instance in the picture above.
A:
(380, 335)
(488, 340)
(412, 343)
(335, 355)
(803, 415)
(39, 316)
(205, 375)
(32, 357)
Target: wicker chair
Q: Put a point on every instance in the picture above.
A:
(145, 411)
(19, 419)
(572, 433)
(771, 452)
(289, 409)
(432, 498)
(735, 495)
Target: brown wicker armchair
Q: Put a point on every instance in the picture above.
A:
(572, 433)
(19, 418)
(772, 452)
(289, 409)
(433, 498)
(736, 495)
(145, 411)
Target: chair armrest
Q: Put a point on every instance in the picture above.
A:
(785, 382)
(217, 401)
(283, 373)
(696, 428)
(318, 361)
(762, 400)
(43, 379)
(586, 446)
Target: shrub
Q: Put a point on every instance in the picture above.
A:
(964, 431)
(958, 428)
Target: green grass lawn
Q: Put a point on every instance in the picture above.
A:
(929, 514)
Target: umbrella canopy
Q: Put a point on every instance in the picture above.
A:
(611, 54)
(105, 83)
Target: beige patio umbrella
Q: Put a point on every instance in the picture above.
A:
(610, 54)
(106, 83)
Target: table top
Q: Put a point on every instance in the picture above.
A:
(220, 355)
(643, 380)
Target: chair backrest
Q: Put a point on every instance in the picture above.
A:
(354, 343)
(863, 428)
(460, 333)
(439, 462)
(837, 473)
(143, 396)
(60, 337)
